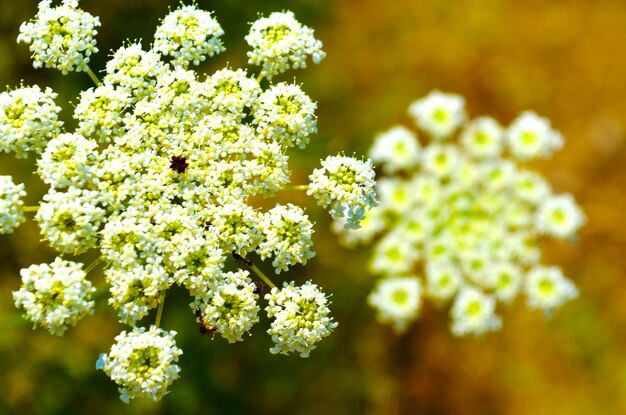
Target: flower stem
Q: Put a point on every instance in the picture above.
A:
(30, 208)
(243, 261)
(259, 78)
(93, 265)
(297, 187)
(160, 310)
(93, 76)
(261, 275)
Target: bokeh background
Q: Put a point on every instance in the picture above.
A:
(565, 59)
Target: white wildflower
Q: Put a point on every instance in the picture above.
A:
(483, 138)
(465, 215)
(346, 186)
(69, 160)
(397, 301)
(188, 34)
(55, 296)
(280, 42)
(439, 114)
(230, 306)
(531, 136)
(396, 149)
(560, 216)
(287, 231)
(285, 114)
(70, 220)
(547, 288)
(133, 71)
(142, 362)
(11, 213)
(61, 37)
(101, 111)
(473, 312)
(28, 119)
(443, 280)
(299, 318)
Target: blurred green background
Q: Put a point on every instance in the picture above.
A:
(565, 59)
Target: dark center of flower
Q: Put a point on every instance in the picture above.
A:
(178, 164)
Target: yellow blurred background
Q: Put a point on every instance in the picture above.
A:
(564, 59)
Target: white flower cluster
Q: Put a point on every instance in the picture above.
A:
(287, 232)
(280, 42)
(300, 318)
(11, 214)
(28, 119)
(159, 176)
(70, 220)
(61, 37)
(285, 114)
(465, 216)
(346, 185)
(397, 300)
(188, 35)
(230, 307)
(55, 296)
(142, 362)
(439, 114)
(68, 161)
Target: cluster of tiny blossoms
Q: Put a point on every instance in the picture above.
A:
(61, 37)
(159, 177)
(460, 222)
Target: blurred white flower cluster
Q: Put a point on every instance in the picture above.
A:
(460, 222)
(280, 42)
(159, 176)
(61, 37)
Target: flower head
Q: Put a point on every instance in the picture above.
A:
(531, 136)
(396, 149)
(299, 318)
(133, 71)
(560, 216)
(467, 216)
(285, 114)
(346, 186)
(287, 237)
(142, 362)
(473, 312)
(70, 220)
(280, 42)
(439, 114)
(11, 214)
(55, 296)
(397, 300)
(230, 306)
(28, 119)
(188, 34)
(547, 288)
(69, 160)
(483, 138)
(61, 37)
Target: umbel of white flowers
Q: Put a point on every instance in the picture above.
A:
(460, 221)
(158, 176)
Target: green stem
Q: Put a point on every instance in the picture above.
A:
(30, 208)
(93, 76)
(297, 187)
(93, 265)
(261, 275)
(160, 310)
(259, 78)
